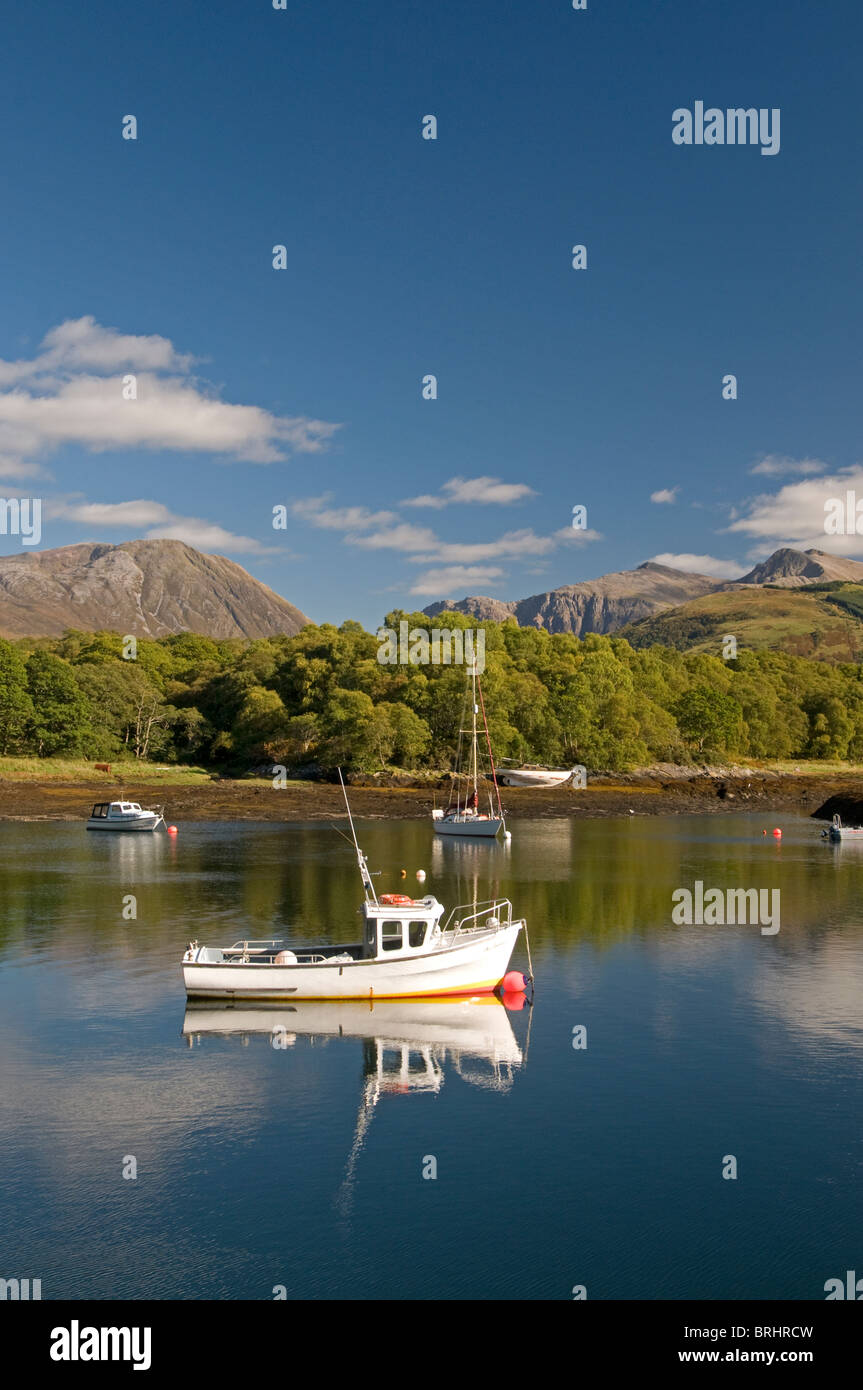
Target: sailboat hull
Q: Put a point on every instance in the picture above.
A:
(471, 825)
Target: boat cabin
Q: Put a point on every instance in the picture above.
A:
(400, 927)
(116, 810)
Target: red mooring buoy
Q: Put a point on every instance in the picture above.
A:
(777, 834)
(514, 982)
(172, 829)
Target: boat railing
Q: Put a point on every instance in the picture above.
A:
(267, 946)
(496, 912)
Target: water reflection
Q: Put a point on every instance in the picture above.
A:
(407, 1046)
(700, 1038)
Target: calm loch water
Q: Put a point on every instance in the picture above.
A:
(302, 1165)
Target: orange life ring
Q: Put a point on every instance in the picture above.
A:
(395, 900)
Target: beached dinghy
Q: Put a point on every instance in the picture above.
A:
(527, 776)
(123, 815)
(407, 952)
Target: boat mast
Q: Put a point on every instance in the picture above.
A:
(490, 754)
(473, 753)
(361, 858)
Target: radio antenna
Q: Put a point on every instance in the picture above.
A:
(361, 858)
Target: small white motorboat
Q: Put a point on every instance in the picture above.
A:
(527, 776)
(124, 815)
(838, 831)
(407, 952)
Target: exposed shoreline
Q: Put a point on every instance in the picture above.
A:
(651, 793)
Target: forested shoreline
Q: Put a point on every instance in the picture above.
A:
(322, 699)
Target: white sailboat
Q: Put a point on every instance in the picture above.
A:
(463, 815)
(407, 952)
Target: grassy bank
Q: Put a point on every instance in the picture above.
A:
(38, 770)
(131, 772)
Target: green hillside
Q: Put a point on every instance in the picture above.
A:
(820, 621)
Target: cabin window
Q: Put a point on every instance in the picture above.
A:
(99, 812)
(391, 936)
(417, 933)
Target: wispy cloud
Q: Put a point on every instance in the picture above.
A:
(72, 392)
(317, 513)
(665, 494)
(777, 465)
(700, 564)
(455, 563)
(486, 491)
(453, 577)
(157, 522)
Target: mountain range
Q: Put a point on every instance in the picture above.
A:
(628, 599)
(144, 588)
(805, 602)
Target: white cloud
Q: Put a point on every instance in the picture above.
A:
(68, 395)
(401, 536)
(573, 535)
(163, 524)
(14, 468)
(439, 582)
(478, 490)
(424, 547)
(84, 343)
(315, 510)
(794, 516)
(778, 465)
(665, 494)
(700, 564)
(421, 545)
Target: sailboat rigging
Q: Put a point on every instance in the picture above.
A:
(463, 815)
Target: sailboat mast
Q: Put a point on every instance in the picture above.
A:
(490, 754)
(474, 758)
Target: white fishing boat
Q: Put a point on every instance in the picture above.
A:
(463, 815)
(527, 776)
(124, 816)
(838, 831)
(407, 952)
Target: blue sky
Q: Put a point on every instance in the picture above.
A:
(302, 387)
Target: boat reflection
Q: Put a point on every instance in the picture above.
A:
(407, 1045)
(436, 1030)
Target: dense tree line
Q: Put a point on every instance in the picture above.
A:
(322, 698)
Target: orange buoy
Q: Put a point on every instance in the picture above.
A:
(777, 834)
(514, 982)
(172, 829)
